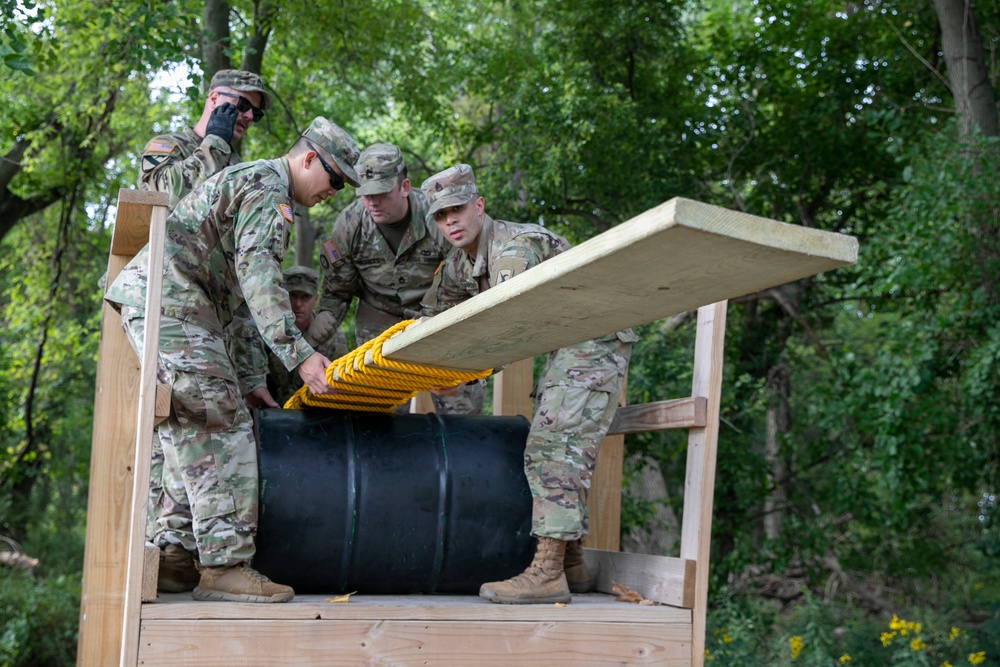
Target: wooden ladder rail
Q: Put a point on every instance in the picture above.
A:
(125, 408)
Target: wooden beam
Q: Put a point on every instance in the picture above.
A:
(112, 458)
(699, 480)
(512, 390)
(659, 578)
(660, 416)
(671, 259)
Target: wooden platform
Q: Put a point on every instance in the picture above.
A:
(671, 259)
(413, 630)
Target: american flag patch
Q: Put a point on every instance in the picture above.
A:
(159, 147)
(331, 252)
(286, 213)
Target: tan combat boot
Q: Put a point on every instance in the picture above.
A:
(578, 577)
(239, 583)
(543, 582)
(178, 571)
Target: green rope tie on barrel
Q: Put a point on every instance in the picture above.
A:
(379, 385)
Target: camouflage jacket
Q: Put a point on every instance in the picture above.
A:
(505, 250)
(176, 163)
(222, 262)
(356, 260)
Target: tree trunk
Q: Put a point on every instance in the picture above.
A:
(264, 14)
(662, 534)
(778, 423)
(975, 99)
(214, 38)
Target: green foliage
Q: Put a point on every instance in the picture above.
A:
(38, 620)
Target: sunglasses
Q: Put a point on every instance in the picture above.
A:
(243, 105)
(336, 182)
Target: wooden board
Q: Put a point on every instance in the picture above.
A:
(412, 630)
(671, 259)
(669, 581)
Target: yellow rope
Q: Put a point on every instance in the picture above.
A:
(378, 386)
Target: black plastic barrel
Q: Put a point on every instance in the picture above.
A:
(385, 504)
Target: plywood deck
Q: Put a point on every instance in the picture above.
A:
(674, 258)
(413, 630)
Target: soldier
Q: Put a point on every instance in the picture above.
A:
(384, 251)
(175, 163)
(302, 285)
(576, 396)
(224, 246)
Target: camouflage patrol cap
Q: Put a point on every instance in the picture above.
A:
(378, 168)
(300, 279)
(243, 81)
(329, 138)
(452, 187)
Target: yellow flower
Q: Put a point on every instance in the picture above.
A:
(945, 664)
(915, 627)
(977, 658)
(887, 638)
(709, 657)
(954, 633)
(896, 623)
(795, 645)
(726, 638)
(917, 643)
(844, 658)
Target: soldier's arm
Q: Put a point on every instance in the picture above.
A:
(247, 351)
(163, 169)
(341, 278)
(261, 226)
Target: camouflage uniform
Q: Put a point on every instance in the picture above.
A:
(357, 261)
(577, 394)
(175, 163)
(223, 251)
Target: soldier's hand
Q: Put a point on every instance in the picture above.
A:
(260, 398)
(222, 121)
(313, 374)
(321, 328)
(447, 391)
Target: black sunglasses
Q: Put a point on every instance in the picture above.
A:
(336, 182)
(243, 105)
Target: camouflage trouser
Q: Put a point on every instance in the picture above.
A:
(208, 447)
(370, 323)
(577, 396)
(134, 324)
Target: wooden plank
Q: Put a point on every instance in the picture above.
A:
(512, 390)
(377, 642)
(131, 231)
(150, 571)
(145, 415)
(660, 416)
(421, 404)
(428, 608)
(672, 259)
(669, 581)
(699, 481)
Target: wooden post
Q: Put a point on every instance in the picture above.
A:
(112, 458)
(512, 389)
(699, 483)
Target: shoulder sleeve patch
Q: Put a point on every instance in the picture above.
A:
(286, 213)
(156, 146)
(331, 252)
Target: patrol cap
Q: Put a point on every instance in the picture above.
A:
(452, 187)
(329, 138)
(378, 169)
(243, 81)
(300, 279)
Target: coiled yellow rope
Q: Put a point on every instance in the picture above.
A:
(378, 385)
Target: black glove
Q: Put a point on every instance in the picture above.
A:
(222, 121)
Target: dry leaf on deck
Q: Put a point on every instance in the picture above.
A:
(628, 595)
(340, 598)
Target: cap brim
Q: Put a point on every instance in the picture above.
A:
(450, 200)
(377, 186)
(350, 175)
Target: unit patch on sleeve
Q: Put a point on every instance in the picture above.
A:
(331, 252)
(286, 213)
